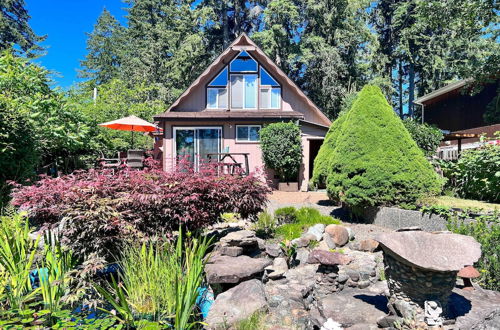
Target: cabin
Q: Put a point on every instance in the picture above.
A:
(224, 109)
(459, 113)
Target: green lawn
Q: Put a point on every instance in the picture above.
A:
(447, 201)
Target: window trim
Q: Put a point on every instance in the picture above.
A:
(229, 89)
(270, 88)
(244, 94)
(257, 72)
(248, 128)
(217, 99)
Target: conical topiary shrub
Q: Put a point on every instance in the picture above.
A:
(375, 161)
(322, 160)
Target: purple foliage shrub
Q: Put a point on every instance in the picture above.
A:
(101, 209)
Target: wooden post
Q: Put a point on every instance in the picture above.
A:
(459, 146)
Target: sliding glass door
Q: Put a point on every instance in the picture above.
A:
(193, 144)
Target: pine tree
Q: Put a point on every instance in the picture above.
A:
(15, 29)
(232, 17)
(105, 50)
(166, 45)
(334, 42)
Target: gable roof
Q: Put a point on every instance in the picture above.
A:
(243, 42)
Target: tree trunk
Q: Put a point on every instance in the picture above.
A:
(411, 88)
(225, 25)
(400, 88)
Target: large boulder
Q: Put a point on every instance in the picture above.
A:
(352, 306)
(327, 258)
(444, 251)
(225, 269)
(241, 238)
(237, 304)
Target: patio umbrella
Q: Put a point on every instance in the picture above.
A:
(130, 123)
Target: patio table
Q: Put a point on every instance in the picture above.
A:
(231, 156)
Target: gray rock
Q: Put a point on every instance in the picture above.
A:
(317, 230)
(342, 277)
(405, 309)
(302, 255)
(476, 309)
(278, 268)
(329, 241)
(242, 238)
(274, 250)
(232, 251)
(363, 284)
(388, 321)
(301, 241)
(327, 258)
(367, 245)
(225, 269)
(353, 306)
(351, 233)
(442, 252)
(261, 244)
(237, 304)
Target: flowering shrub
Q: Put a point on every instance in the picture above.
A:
(100, 209)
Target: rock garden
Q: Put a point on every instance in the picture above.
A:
(327, 278)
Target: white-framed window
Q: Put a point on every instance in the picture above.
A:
(248, 133)
(217, 98)
(217, 91)
(243, 84)
(244, 91)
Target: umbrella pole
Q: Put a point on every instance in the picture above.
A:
(132, 137)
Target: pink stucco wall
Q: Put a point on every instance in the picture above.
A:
(253, 148)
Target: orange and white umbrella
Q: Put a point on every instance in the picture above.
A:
(132, 124)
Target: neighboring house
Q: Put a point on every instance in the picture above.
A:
(459, 115)
(227, 105)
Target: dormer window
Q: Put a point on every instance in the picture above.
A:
(248, 85)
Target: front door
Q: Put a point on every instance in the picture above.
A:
(192, 144)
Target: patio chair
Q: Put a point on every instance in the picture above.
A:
(135, 159)
(104, 162)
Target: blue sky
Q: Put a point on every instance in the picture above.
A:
(65, 23)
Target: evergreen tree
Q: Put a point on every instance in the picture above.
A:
(374, 160)
(105, 49)
(280, 37)
(232, 17)
(335, 43)
(15, 29)
(427, 44)
(166, 45)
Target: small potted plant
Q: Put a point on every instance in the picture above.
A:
(281, 146)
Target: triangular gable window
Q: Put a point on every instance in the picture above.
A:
(221, 79)
(266, 79)
(243, 63)
(243, 84)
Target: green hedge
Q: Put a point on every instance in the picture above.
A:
(281, 146)
(374, 160)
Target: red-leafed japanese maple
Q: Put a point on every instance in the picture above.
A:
(97, 210)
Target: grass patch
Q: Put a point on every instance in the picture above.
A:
(254, 322)
(453, 202)
(305, 218)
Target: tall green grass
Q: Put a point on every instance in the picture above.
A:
(17, 259)
(160, 283)
(305, 217)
